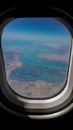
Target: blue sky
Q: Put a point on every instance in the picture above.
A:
(36, 30)
(39, 36)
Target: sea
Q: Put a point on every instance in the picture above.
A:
(34, 68)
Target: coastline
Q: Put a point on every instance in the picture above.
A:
(13, 63)
(54, 57)
(30, 89)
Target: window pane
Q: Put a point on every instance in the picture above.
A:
(36, 55)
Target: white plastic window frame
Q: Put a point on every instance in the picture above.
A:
(34, 104)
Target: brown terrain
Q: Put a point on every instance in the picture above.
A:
(30, 89)
(54, 57)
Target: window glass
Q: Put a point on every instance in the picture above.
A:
(36, 54)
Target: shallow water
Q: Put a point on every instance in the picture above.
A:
(34, 68)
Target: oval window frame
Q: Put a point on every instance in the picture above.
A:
(49, 108)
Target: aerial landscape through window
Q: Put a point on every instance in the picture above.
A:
(36, 54)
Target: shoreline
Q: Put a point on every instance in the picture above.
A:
(13, 64)
(30, 89)
(54, 57)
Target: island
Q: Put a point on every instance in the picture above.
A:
(30, 89)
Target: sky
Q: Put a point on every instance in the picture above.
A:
(51, 34)
(35, 30)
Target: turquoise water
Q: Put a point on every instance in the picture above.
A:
(35, 36)
(34, 68)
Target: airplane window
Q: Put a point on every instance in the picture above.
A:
(36, 54)
(36, 63)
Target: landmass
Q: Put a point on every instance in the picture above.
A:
(30, 89)
(11, 57)
(54, 57)
(36, 89)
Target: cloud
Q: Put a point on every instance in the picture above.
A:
(23, 36)
(35, 37)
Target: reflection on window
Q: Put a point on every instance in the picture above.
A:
(36, 55)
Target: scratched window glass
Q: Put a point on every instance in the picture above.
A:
(36, 54)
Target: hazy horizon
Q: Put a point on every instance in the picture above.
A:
(36, 50)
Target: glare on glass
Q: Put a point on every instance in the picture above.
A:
(36, 54)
